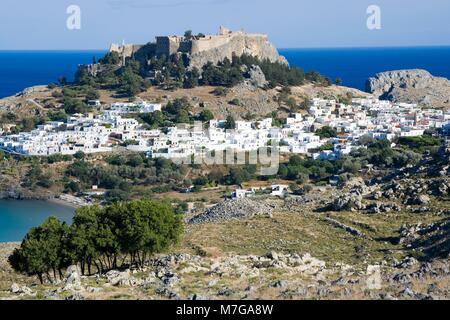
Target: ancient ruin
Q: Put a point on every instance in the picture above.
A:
(205, 48)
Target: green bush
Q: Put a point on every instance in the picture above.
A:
(326, 132)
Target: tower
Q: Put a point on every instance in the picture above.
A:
(123, 52)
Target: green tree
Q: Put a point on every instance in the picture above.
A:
(92, 94)
(62, 80)
(79, 155)
(206, 115)
(73, 105)
(41, 251)
(326, 132)
(188, 34)
(154, 119)
(238, 175)
(33, 175)
(83, 237)
(100, 237)
(182, 116)
(72, 186)
(192, 79)
(230, 122)
(28, 123)
(145, 227)
(135, 160)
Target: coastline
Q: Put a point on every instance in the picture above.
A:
(21, 194)
(56, 204)
(66, 202)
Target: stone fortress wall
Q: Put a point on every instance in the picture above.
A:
(211, 48)
(125, 50)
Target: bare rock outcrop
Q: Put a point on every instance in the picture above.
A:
(216, 48)
(257, 77)
(411, 86)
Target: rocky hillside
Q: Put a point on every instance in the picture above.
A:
(412, 86)
(380, 238)
(247, 99)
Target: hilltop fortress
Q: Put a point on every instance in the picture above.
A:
(203, 49)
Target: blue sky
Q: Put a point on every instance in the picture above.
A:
(31, 24)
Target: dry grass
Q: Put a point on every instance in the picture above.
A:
(294, 232)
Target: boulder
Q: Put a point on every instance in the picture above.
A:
(72, 269)
(73, 280)
(52, 295)
(272, 255)
(20, 290)
(279, 284)
(75, 296)
(170, 279)
(351, 201)
(418, 200)
(117, 278)
(257, 77)
(407, 262)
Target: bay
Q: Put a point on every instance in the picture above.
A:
(18, 216)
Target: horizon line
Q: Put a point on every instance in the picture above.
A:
(278, 48)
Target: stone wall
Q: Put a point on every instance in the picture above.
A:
(211, 48)
(125, 50)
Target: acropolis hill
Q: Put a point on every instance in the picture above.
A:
(205, 48)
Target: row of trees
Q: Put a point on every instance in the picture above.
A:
(23, 123)
(74, 99)
(122, 173)
(176, 111)
(378, 153)
(99, 239)
(173, 71)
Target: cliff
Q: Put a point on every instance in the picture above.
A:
(412, 86)
(217, 48)
(203, 49)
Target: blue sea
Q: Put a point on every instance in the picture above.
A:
(21, 69)
(355, 65)
(17, 216)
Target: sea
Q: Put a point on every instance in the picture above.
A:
(22, 69)
(18, 216)
(355, 65)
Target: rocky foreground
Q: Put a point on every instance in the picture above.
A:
(381, 237)
(380, 240)
(272, 276)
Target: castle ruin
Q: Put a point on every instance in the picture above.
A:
(209, 48)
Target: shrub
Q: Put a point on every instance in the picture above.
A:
(326, 132)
